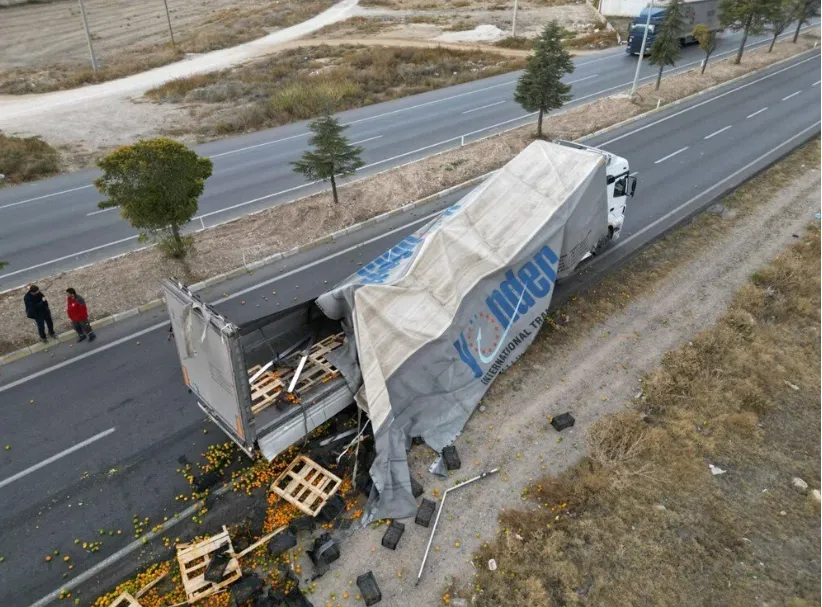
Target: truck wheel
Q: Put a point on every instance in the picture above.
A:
(604, 243)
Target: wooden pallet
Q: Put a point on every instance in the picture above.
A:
(125, 600)
(307, 485)
(267, 388)
(194, 559)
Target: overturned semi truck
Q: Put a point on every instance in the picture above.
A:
(417, 336)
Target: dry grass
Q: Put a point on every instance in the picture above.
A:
(301, 83)
(609, 533)
(119, 284)
(221, 29)
(26, 159)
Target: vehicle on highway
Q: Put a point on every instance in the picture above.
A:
(422, 330)
(705, 12)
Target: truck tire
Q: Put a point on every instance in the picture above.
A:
(604, 243)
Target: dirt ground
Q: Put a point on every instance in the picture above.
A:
(256, 236)
(41, 42)
(461, 22)
(592, 376)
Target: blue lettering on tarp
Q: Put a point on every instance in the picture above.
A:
(379, 270)
(517, 293)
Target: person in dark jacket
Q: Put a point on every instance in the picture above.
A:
(77, 312)
(37, 308)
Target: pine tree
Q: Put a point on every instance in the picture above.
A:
(332, 154)
(667, 46)
(540, 88)
(804, 10)
(750, 16)
(783, 15)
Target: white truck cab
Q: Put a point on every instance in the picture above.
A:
(621, 186)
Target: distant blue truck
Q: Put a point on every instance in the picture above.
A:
(705, 12)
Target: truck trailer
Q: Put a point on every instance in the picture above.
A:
(416, 336)
(705, 12)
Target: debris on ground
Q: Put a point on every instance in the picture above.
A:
(369, 589)
(324, 552)
(425, 512)
(451, 458)
(393, 534)
(563, 421)
(716, 470)
(799, 483)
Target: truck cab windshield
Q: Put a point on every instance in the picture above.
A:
(640, 27)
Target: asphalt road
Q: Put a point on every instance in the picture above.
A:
(54, 225)
(102, 438)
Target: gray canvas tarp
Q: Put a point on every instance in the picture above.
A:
(433, 321)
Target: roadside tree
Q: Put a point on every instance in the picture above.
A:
(156, 183)
(331, 155)
(707, 42)
(747, 16)
(540, 87)
(667, 47)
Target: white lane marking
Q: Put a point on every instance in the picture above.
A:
(54, 458)
(14, 204)
(477, 109)
(715, 133)
(756, 113)
(664, 158)
(101, 211)
(817, 82)
(64, 257)
(165, 323)
(259, 145)
(684, 205)
(634, 174)
(366, 140)
(791, 95)
(133, 546)
(582, 79)
(711, 100)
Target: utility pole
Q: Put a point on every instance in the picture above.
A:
(88, 37)
(642, 49)
(514, 20)
(168, 18)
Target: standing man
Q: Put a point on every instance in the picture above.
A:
(37, 308)
(78, 315)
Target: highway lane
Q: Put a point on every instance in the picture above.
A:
(54, 225)
(136, 389)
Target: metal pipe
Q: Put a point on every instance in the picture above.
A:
(439, 512)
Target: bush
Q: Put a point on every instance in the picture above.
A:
(27, 158)
(516, 42)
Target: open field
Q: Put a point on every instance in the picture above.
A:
(43, 45)
(137, 275)
(302, 83)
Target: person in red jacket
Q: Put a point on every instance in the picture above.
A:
(78, 315)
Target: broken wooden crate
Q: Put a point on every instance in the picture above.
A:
(266, 388)
(194, 559)
(306, 485)
(125, 600)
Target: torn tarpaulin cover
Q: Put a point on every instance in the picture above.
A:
(433, 321)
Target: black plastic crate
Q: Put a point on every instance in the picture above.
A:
(425, 512)
(451, 458)
(392, 535)
(332, 509)
(281, 542)
(369, 590)
(562, 421)
(416, 487)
